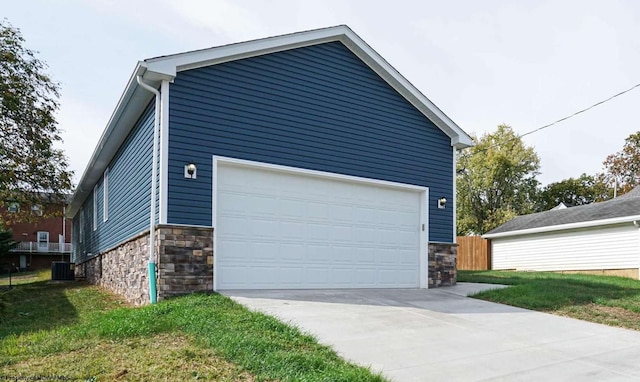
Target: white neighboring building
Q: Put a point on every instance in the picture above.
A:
(601, 238)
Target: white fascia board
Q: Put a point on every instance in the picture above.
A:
(170, 65)
(459, 138)
(563, 227)
(128, 109)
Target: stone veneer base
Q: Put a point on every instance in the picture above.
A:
(184, 258)
(442, 264)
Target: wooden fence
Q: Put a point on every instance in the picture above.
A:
(474, 253)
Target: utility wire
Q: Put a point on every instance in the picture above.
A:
(564, 118)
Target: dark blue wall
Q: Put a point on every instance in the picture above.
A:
(128, 194)
(318, 108)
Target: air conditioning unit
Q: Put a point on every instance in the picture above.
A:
(62, 271)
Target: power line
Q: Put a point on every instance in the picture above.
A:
(581, 111)
(564, 118)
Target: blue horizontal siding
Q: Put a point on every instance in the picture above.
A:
(319, 108)
(129, 193)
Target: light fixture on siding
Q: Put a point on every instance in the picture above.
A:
(442, 202)
(190, 170)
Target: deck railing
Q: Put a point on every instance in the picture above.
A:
(33, 247)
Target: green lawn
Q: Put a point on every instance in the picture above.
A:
(18, 278)
(84, 333)
(608, 300)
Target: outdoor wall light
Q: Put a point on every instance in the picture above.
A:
(442, 202)
(190, 170)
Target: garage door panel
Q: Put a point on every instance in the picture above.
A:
(317, 253)
(317, 212)
(318, 232)
(231, 224)
(292, 253)
(322, 232)
(341, 234)
(317, 277)
(292, 229)
(364, 276)
(259, 251)
(405, 256)
(260, 206)
(364, 256)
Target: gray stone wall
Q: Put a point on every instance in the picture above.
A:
(122, 270)
(184, 258)
(442, 264)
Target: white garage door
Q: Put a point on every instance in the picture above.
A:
(281, 229)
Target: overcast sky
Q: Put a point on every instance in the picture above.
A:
(524, 63)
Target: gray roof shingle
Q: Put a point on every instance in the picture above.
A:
(625, 205)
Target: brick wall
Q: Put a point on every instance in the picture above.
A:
(442, 264)
(28, 231)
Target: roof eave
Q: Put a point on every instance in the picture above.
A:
(129, 107)
(563, 227)
(154, 70)
(170, 65)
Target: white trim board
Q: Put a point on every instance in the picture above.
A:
(163, 172)
(561, 227)
(424, 203)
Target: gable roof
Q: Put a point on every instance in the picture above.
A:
(560, 206)
(625, 208)
(155, 70)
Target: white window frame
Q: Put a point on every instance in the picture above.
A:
(81, 230)
(45, 247)
(13, 207)
(105, 195)
(95, 207)
(36, 210)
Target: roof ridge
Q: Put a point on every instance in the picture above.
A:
(608, 209)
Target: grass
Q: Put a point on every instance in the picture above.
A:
(18, 278)
(607, 300)
(84, 333)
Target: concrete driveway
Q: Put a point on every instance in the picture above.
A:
(441, 335)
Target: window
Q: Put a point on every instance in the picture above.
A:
(13, 207)
(105, 192)
(43, 241)
(81, 224)
(36, 210)
(95, 207)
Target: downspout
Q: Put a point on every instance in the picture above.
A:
(64, 233)
(154, 176)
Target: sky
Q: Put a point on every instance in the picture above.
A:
(484, 63)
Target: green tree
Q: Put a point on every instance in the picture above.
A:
(6, 242)
(32, 170)
(496, 181)
(572, 192)
(623, 167)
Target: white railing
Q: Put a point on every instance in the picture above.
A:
(33, 246)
